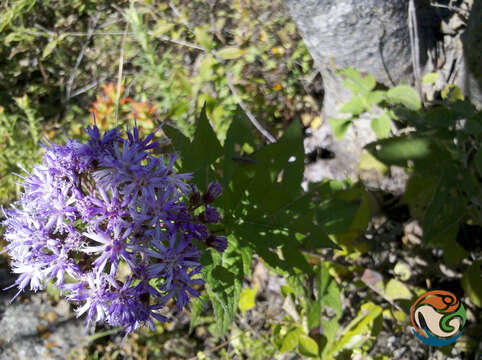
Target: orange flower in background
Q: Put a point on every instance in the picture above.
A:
(104, 109)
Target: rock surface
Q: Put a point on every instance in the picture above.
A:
(373, 37)
(472, 42)
(31, 328)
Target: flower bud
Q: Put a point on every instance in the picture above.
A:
(210, 215)
(220, 243)
(195, 197)
(214, 190)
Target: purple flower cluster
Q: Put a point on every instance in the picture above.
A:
(114, 226)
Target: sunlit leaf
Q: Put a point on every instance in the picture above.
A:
(231, 53)
(404, 95)
(246, 300)
(340, 127)
(308, 347)
(381, 126)
(430, 78)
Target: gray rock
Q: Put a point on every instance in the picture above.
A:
(36, 330)
(373, 37)
(472, 43)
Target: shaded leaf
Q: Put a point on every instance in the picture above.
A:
(472, 282)
(396, 151)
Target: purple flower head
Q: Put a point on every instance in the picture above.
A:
(113, 227)
(214, 190)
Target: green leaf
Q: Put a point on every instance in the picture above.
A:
(397, 151)
(367, 161)
(203, 38)
(286, 290)
(246, 299)
(405, 95)
(52, 45)
(446, 208)
(296, 259)
(239, 134)
(197, 308)
(180, 142)
(205, 149)
(291, 340)
(355, 106)
(308, 347)
(402, 270)
(472, 283)
(396, 290)
(336, 215)
(356, 83)
(381, 126)
(478, 161)
(429, 78)
(359, 329)
(231, 53)
(375, 97)
(452, 93)
(222, 287)
(340, 127)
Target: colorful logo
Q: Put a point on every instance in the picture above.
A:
(438, 318)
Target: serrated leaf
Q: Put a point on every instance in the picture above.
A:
(308, 347)
(205, 147)
(231, 53)
(396, 151)
(291, 340)
(396, 290)
(340, 127)
(381, 126)
(197, 308)
(429, 78)
(404, 95)
(223, 289)
(180, 142)
(246, 299)
(239, 134)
